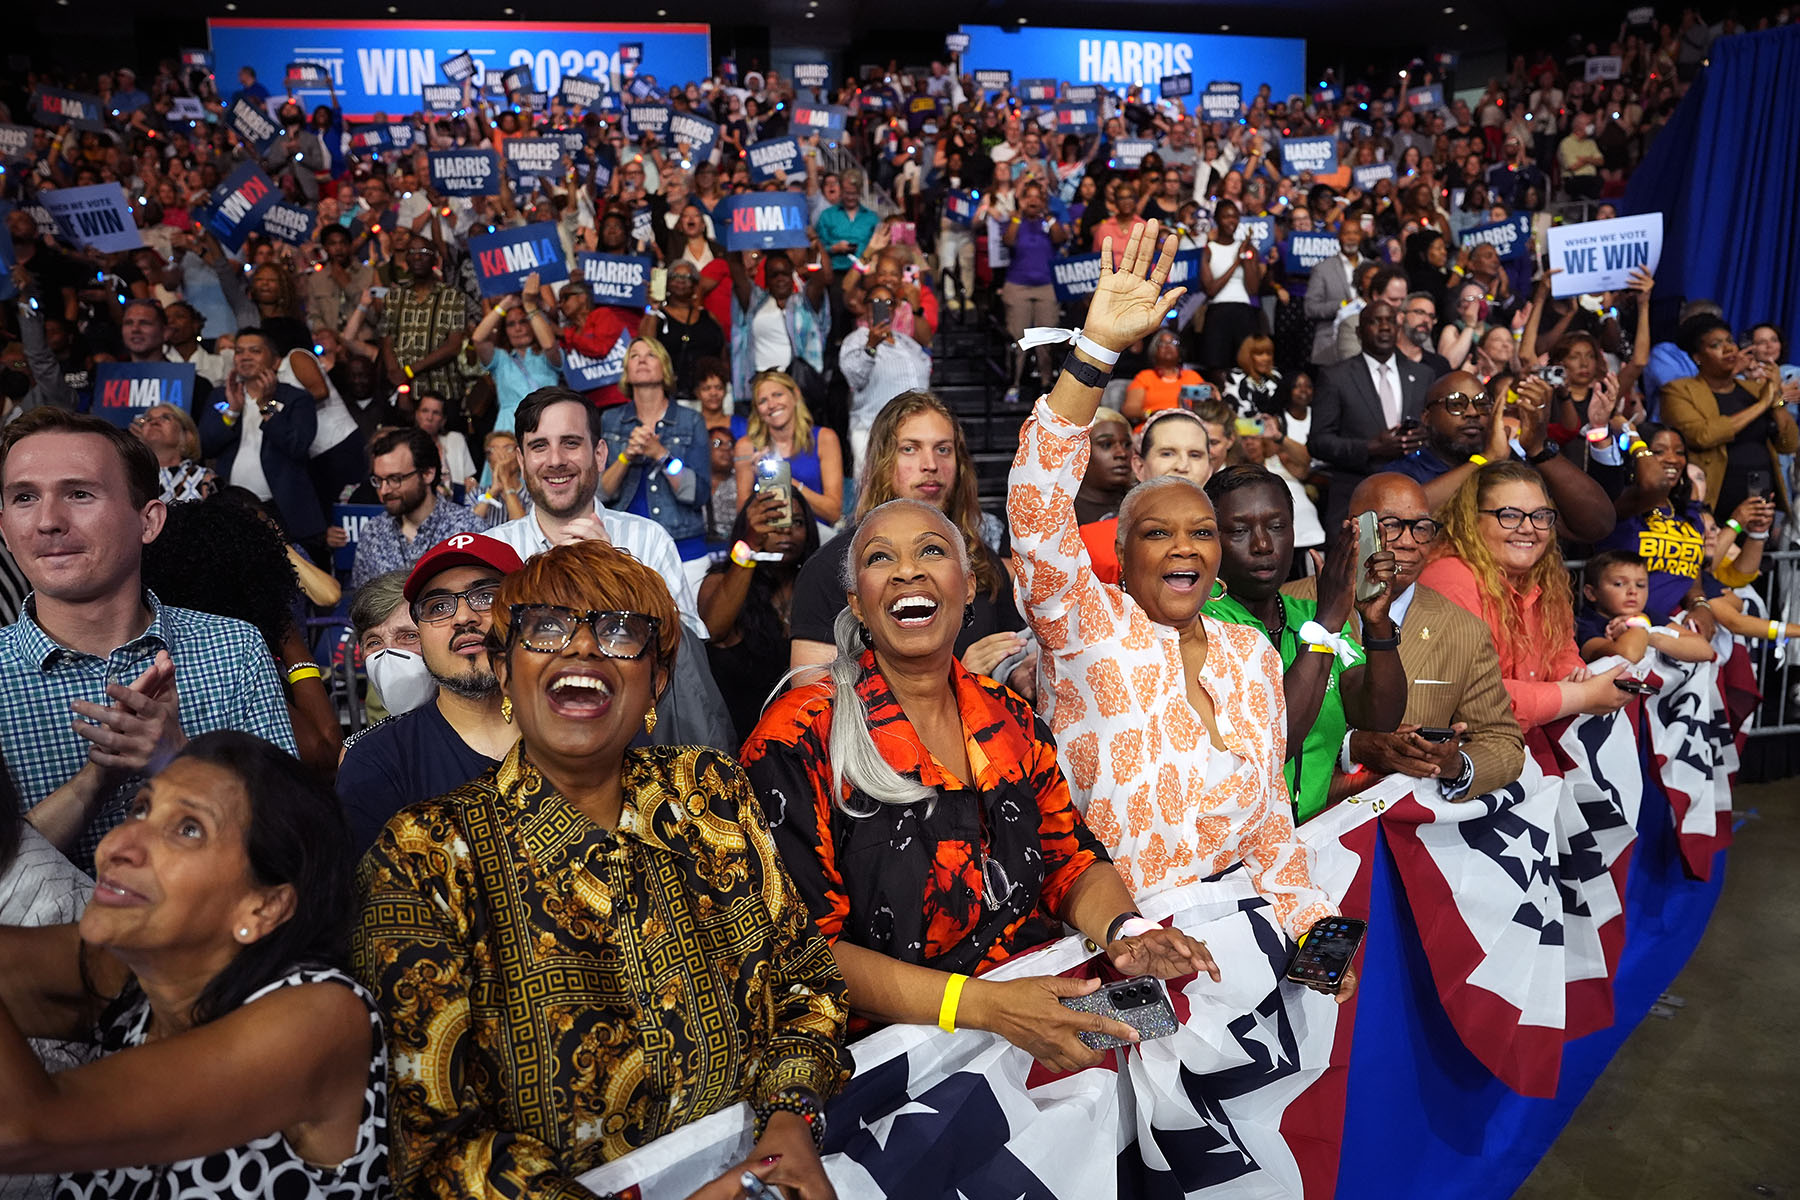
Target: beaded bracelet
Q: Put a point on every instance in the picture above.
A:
(803, 1103)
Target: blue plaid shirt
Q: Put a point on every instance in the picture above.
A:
(224, 677)
(383, 548)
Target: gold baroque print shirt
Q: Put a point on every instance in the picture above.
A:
(557, 994)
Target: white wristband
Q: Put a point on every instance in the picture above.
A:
(1133, 926)
(1095, 350)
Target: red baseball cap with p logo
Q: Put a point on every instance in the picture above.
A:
(460, 550)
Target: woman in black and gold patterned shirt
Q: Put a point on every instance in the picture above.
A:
(590, 945)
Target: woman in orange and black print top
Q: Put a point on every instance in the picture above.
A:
(922, 815)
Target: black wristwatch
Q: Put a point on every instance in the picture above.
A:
(1550, 451)
(1086, 373)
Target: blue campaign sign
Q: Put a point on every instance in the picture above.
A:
(812, 74)
(516, 79)
(1076, 278)
(289, 223)
(960, 207)
(122, 391)
(993, 80)
(197, 60)
(465, 172)
(540, 156)
(55, 107)
(1114, 56)
(1038, 91)
(252, 123)
(818, 118)
(775, 158)
(1174, 86)
(762, 220)
(504, 258)
(956, 43)
(353, 519)
(1301, 252)
(459, 67)
(238, 204)
(700, 134)
(442, 97)
(584, 374)
(1222, 102)
(96, 216)
(1365, 177)
(1317, 155)
(16, 142)
(1258, 231)
(621, 279)
(379, 65)
(642, 118)
(581, 93)
(1128, 153)
(1511, 238)
(1077, 118)
(1082, 93)
(1426, 99)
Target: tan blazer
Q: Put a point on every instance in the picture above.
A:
(1692, 408)
(1453, 674)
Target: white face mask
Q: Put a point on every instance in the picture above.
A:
(401, 679)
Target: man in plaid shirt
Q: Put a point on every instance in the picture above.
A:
(100, 683)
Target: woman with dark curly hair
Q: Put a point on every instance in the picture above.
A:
(222, 556)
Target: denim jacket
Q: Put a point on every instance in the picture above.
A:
(678, 504)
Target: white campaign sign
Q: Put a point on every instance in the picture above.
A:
(1598, 256)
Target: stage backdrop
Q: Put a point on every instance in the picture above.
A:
(383, 65)
(1117, 57)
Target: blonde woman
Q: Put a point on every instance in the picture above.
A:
(781, 426)
(175, 439)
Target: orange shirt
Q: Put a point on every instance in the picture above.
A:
(1160, 393)
(1530, 680)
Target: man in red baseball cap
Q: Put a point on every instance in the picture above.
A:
(443, 744)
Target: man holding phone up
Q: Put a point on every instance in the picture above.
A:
(1458, 727)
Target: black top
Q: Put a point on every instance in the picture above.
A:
(688, 344)
(819, 595)
(403, 760)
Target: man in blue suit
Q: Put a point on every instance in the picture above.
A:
(262, 434)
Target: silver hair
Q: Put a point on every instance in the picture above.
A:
(1136, 496)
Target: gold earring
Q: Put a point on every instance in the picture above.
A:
(506, 709)
(650, 720)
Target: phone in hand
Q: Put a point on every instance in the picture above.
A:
(773, 475)
(1550, 375)
(881, 312)
(1245, 427)
(1759, 483)
(1194, 393)
(1140, 1003)
(1325, 957)
(1368, 544)
(903, 233)
(1637, 687)
(1437, 734)
(378, 293)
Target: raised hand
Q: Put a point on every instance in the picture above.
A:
(1129, 302)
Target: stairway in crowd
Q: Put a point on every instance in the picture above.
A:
(969, 373)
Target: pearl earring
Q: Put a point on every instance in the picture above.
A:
(244, 934)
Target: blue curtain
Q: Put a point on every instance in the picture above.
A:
(1725, 173)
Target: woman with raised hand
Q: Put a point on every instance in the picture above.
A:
(921, 811)
(237, 1059)
(1171, 726)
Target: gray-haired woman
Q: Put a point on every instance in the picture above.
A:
(921, 812)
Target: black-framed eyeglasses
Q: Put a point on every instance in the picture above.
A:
(439, 607)
(1458, 404)
(392, 481)
(1512, 518)
(1424, 530)
(549, 628)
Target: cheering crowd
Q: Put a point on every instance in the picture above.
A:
(584, 789)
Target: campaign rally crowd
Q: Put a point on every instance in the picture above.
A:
(501, 631)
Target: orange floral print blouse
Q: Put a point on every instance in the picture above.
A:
(1134, 750)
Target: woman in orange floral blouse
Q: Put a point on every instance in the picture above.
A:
(1172, 725)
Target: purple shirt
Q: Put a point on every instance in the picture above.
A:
(1031, 251)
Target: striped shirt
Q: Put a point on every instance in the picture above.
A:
(898, 365)
(224, 676)
(639, 537)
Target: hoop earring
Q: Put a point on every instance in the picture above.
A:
(1221, 593)
(862, 633)
(650, 720)
(968, 615)
(506, 709)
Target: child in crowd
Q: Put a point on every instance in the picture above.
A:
(1615, 586)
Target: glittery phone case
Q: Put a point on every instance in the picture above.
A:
(1153, 1020)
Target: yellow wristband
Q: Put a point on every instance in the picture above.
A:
(409, 371)
(1316, 649)
(1479, 460)
(305, 671)
(1774, 630)
(952, 998)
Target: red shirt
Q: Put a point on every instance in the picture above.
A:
(597, 337)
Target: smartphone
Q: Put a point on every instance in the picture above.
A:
(1367, 222)
(1194, 393)
(1245, 427)
(773, 475)
(1368, 543)
(1759, 483)
(1329, 948)
(903, 233)
(881, 312)
(1408, 424)
(1140, 1003)
(1551, 375)
(1433, 734)
(1637, 687)
(378, 293)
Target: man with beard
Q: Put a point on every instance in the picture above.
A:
(405, 475)
(1466, 428)
(1418, 319)
(1452, 673)
(1332, 683)
(332, 292)
(559, 446)
(442, 745)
